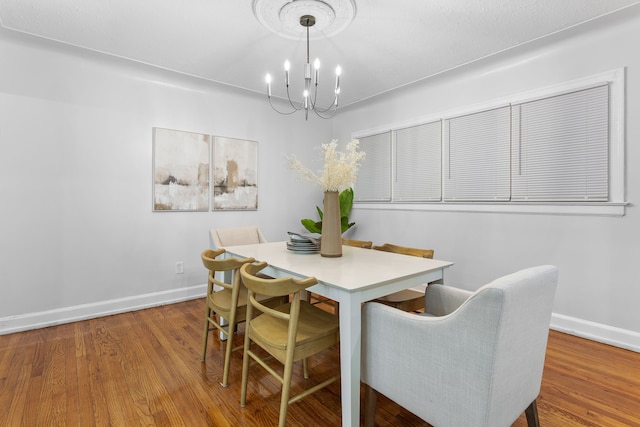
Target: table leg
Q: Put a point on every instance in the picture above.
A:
(350, 320)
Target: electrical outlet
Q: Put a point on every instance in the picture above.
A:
(179, 267)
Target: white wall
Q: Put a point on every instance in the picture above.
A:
(78, 236)
(599, 288)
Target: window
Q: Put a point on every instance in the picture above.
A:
(413, 155)
(418, 163)
(549, 150)
(560, 147)
(374, 177)
(477, 156)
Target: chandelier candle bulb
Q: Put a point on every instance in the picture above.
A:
(287, 65)
(268, 79)
(316, 65)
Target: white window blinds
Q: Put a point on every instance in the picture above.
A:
(374, 176)
(477, 156)
(418, 163)
(560, 147)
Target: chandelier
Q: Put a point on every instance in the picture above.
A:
(310, 93)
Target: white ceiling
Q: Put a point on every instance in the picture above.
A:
(389, 44)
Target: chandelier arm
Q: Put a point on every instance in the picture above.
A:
(331, 106)
(317, 108)
(315, 96)
(296, 108)
(320, 113)
(314, 105)
(284, 113)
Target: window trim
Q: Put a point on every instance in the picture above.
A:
(614, 207)
(545, 208)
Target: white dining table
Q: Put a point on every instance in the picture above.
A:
(359, 275)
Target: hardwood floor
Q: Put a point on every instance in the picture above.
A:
(143, 368)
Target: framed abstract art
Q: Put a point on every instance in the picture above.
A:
(235, 174)
(181, 162)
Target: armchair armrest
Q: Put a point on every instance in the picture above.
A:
(441, 300)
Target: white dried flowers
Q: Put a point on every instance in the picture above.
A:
(340, 168)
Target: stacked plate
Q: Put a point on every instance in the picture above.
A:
(303, 244)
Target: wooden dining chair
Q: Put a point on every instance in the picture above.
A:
(317, 299)
(289, 333)
(365, 244)
(236, 236)
(408, 299)
(227, 300)
(233, 236)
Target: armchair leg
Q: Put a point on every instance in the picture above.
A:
(532, 415)
(370, 397)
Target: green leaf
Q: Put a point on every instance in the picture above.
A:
(346, 203)
(345, 224)
(312, 226)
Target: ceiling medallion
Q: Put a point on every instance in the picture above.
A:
(283, 16)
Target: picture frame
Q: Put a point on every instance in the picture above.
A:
(235, 174)
(181, 164)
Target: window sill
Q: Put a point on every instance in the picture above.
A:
(588, 209)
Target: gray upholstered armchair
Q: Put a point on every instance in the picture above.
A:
(475, 358)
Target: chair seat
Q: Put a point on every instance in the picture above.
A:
(313, 324)
(407, 300)
(222, 299)
(220, 302)
(402, 296)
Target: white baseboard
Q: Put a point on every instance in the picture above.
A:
(617, 337)
(25, 322)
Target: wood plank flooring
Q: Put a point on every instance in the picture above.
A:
(143, 368)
